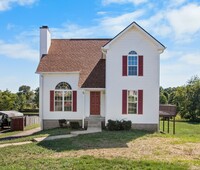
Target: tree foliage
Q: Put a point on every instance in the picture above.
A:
(25, 98)
(186, 98)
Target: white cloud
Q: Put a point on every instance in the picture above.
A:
(135, 2)
(157, 24)
(177, 67)
(18, 51)
(108, 26)
(113, 25)
(185, 21)
(192, 59)
(170, 54)
(73, 31)
(175, 3)
(101, 13)
(7, 4)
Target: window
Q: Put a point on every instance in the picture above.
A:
(63, 86)
(63, 97)
(132, 64)
(132, 101)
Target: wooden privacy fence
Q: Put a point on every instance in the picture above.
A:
(30, 120)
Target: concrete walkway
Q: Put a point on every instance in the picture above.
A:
(27, 132)
(73, 134)
(14, 144)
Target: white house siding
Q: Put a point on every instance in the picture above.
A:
(149, 83)
(49, 83)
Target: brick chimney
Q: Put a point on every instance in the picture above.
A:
(45, 40)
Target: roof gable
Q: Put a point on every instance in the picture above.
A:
(134, 24)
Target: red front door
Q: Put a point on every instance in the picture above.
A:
(95, 98)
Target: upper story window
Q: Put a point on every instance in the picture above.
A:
(132, 63)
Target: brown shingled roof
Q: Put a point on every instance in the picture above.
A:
(82, 55)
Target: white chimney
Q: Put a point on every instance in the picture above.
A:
(45, 40)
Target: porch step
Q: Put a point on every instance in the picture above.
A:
(94, 123)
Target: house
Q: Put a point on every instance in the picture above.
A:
(118, 78)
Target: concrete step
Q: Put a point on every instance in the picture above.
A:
(94, 124)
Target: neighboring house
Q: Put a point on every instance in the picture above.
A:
(116, 79)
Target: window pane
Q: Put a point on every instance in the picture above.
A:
(132, 60)
(132, 70)
(132, 101)
(58, 101)
(68, 101)
(132, 108)
(132, 65)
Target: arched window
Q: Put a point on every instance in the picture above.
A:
(63, 97)
(63, 86)
(132, 63)
(132, 53)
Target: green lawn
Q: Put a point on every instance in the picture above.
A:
(9, 133)
(185, 131)
(109, 150)
(50, 132)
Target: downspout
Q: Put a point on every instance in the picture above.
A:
(41, 101)
(83, 119)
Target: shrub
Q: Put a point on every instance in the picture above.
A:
(126, 125)
(62, 122)
(74, 125)
(118, 125)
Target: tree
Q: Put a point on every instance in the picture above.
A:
(7, 100)
(163, 99)
(26, 96)
(193, 99)
(163, 96)
(36, 97)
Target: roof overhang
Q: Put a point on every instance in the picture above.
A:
(159, 45)
(73, 72)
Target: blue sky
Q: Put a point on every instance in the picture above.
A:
(174, 23)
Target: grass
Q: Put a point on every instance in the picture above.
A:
(9, 133)
(109, 150)
(45, 133)
(185, 131)
(90, 163)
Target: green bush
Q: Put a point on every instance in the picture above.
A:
(126, 125)
(62, 122)
(74, 125)
(118, 125)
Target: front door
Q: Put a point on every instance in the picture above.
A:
(95, 98)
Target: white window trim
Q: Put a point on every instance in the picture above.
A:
(128, 103)
(133, 65)
(63, 101)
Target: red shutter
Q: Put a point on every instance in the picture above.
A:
(124, 101)
(74, 101)
(124, 65)
(52, 100)
(140, 65)
(140, 101)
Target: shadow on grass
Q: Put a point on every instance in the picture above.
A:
(105, 139)
(50, 132)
